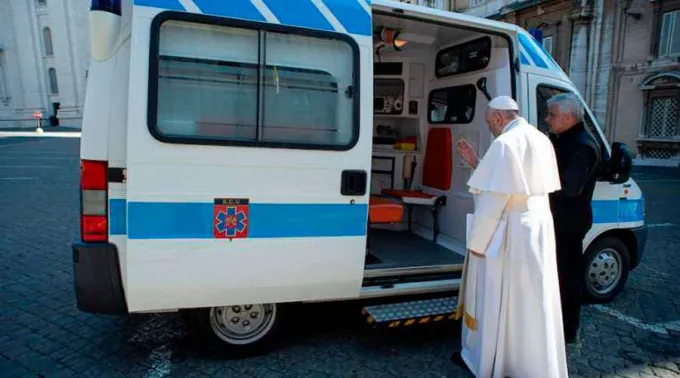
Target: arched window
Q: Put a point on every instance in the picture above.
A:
(54, 88)
(660, 137)
(47, 41)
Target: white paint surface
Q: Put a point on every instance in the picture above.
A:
(660, 328)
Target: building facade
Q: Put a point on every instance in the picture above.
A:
(623, 55)
(44, 55)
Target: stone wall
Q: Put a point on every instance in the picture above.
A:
(635, 59)
(26, 64)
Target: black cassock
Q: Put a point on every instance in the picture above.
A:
(578, 160)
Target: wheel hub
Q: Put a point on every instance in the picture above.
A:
(604, 271)
(242, 324)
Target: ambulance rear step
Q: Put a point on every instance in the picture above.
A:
(411, 313)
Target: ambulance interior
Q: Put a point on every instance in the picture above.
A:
(420, 110)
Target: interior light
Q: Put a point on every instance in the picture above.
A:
(391, 37)
(399, 43)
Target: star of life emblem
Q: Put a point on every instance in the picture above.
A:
(230, 218)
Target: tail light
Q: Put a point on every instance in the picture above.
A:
(94, 224)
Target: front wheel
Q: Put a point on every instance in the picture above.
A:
(607, 268)
(240, 331)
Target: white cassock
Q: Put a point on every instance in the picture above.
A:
(510, 298)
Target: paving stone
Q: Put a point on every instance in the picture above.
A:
(628, 373)
(665, 373)
(44, 333)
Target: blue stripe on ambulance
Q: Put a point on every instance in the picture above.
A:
(353, 15)
(165, 4)
(547, 54)
(118, 216)
(617, 211)
(176, 220)
(632, 210)
(232, 8)
(530, 48)
(306, 14)
(523, 59)
(194, 220)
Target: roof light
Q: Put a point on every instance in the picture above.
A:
(537, 33)
(110, 6)
(391, 37)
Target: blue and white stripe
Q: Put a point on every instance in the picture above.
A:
(532, 53)
(342, 16)
(194, 220)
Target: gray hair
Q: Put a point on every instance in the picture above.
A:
(507, 114)
(568, 102)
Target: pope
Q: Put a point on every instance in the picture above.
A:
(509, 299)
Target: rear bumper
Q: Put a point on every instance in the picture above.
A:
(97, 279)
(641, 241)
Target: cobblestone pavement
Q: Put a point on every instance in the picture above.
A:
(43, 334)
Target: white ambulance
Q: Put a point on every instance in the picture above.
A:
(239, 157)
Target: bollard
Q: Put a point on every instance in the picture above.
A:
(38, 117)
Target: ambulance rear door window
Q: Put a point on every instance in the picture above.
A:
(229, 85)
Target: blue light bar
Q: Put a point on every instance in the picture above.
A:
(110, 6)
(537, 34)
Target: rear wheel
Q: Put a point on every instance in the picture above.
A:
(606, 273)
(240, 331)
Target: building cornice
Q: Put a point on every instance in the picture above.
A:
(649, 66)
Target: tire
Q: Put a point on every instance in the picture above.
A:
(237, 331)
(607, 268)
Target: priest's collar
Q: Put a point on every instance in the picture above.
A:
(577, 128)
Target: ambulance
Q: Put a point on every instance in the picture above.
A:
(241, 157)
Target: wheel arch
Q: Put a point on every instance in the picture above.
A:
(626, 236)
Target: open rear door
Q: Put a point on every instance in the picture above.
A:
(247, 165)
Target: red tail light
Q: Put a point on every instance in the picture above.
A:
(93, 174)
(94, 225)
(94, 228)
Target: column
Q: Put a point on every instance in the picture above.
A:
(578, 60)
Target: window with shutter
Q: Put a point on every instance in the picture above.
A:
(669, 38)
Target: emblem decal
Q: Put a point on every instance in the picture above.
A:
(230, 218)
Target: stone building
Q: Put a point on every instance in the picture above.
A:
(44, 56)
(623, 55)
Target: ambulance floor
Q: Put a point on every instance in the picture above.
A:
(391, 249)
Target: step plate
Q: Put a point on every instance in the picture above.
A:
(410, 313)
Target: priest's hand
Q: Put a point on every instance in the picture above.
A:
(467, 152)
(475, 253)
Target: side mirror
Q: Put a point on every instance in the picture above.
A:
(617, 170)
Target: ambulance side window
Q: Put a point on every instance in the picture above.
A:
(213, 84)
(452, 105)
(543, 93)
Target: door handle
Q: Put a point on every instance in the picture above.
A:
(353, 183)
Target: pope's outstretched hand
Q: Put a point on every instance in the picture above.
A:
(467, 152)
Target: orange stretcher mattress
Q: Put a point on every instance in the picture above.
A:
(384, 210)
